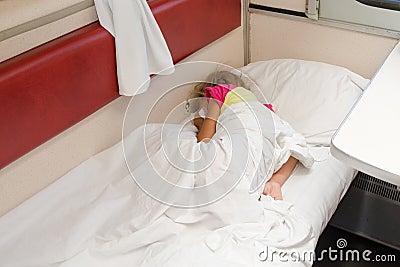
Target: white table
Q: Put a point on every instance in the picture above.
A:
(369, 137)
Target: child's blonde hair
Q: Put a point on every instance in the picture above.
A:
(215, 78)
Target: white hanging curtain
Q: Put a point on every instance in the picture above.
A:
(141, 49)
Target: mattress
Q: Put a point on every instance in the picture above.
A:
(318, 191)
(93, 204)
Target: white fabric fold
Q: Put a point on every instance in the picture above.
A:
(141, 49)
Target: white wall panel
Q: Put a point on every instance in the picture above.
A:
(352, 11)
(295, 5)
(283, 37)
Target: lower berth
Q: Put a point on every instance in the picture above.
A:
(97, 216)
(88, 218)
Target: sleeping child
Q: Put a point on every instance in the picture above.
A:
(228, 89)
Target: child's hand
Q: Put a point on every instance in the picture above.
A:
(273, 189)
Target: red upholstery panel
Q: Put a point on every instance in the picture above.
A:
(50, 88)
(189, 25)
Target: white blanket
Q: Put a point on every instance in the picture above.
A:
(97, 216)
(141, 49)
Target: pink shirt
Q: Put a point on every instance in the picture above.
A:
(220, 91)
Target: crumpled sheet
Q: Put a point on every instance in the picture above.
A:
(97, 216)
(141, 49)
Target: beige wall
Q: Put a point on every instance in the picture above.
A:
(15, 13)
(31, 173)
(273, 36)
(22, 42)
(295, 5)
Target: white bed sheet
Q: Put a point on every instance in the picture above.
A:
(318, 191)
(85, 209)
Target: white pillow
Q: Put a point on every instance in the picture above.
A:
(313, 97)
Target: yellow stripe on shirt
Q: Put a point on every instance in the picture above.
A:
(238, 95)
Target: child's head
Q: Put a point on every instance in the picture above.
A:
(215, 78)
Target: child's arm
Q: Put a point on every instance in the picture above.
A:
(273, 186)
(198, 122)
(208, 128)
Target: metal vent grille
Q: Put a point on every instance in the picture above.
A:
(376, 186)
